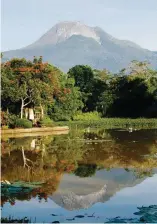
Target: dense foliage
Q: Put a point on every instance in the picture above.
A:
(45, 122)
(131, 93)
(37, 84)
(63, 97)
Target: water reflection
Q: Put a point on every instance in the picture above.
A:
(77, 170)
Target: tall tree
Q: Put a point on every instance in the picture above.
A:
(67, 102)
(84, 77)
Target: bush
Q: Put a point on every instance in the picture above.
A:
(46, 122)
(4, 118)
(59, 114)
(23, 123)
(8, 120)
(12, 118)
(86, 116)
(4, 127)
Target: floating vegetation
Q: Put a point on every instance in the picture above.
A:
(18, 187)
(12, 220)
(79, 216)
(148, 215)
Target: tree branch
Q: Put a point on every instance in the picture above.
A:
(26, 98)
(27, 103)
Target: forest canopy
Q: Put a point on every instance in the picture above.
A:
(25, 84)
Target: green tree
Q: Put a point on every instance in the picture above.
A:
(132, 97)
(102, 97)
(105, 103)
(84, 77)
(152, 88)
(67, 102)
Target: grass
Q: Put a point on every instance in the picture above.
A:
(12, 220)
(112, 123)
(86, 116)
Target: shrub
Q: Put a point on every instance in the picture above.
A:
(23, 123)
(86, 116)
(12, 118)
(8, 120)
(46, 122)
(4, 118)
(5, 127)
(59, 114)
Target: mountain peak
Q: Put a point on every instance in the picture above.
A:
(64, 30)
(69, 23)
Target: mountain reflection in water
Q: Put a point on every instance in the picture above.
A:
(76, 173)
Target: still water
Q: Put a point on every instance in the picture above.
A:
(83, 176)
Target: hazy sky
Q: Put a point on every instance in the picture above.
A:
(24, 21)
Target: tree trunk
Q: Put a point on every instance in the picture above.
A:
(42, 111)
(22, 105)
(23, 156)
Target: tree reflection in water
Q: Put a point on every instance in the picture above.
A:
(86, 170)
(45, 159)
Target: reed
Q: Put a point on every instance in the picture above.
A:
(112, 123)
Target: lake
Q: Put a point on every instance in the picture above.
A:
(85, 176)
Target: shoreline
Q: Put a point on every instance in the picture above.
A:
(24, 132)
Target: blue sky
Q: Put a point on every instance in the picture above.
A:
(24, 21)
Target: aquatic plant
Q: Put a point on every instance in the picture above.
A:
(148, 215)
(112, 123)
